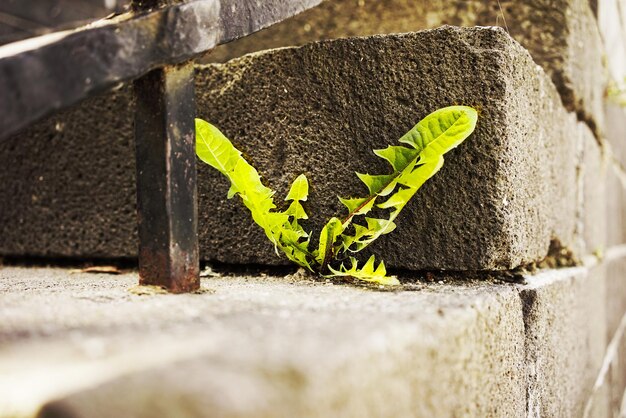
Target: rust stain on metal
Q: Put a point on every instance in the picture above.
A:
(166, 179)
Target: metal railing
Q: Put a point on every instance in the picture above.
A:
(154, 45)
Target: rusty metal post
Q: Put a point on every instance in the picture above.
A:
(166, 179)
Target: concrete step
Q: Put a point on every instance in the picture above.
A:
(501, 199)
(88, 345)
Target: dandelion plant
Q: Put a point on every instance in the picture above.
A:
(414, 162)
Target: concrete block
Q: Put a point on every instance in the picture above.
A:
(616, 206)
(498, 202)
(616, 130)
(594, 198)
(616, 288)
(616, 376)
(565, 323)
(611, 381)
(284, 346)
(258, 347)
(67, 184)
(611, 18)
(599, 405)
(562, 36)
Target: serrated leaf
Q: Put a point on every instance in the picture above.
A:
(216, 150)
(398, 156)
(432, 137)
(358, 206)
(398, 199)
(299, 190)
(441, 131)
(296, 210)
(380, 185)
(367, 273)
(416, 178)
(328, 237)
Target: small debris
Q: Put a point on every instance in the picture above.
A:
(204, 291)
(98, 269)
(147, 290)
(209, 272)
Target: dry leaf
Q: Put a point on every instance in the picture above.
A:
(99, 269)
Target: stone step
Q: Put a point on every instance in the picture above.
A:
(67, 184)
(88, 345)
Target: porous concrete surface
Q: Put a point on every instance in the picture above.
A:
(262, 346)
(616, 129)
(565, 328)
(593, 183)
(562, 36)
(320, 109)
(610, 384)
(499, 200)
(615, 205)
(611, 21)
(85, 345)
(67, 184)
(615, 260)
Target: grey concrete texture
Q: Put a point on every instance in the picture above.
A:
(593, 184)
(562, 36)
(565, 328)
(610, 385)
(67, 184)
(611, 20)
(90, 345)
(616, 130)
(615, 206)
(257, 346)
(616, 288)
(320, 110)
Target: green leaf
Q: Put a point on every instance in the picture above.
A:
(216, 150)
(366, 273)
(441, 131)
(328, 237)
(399, 157)
(358, 206)
(299, 190)
(411, 166)
(296, 210)
(380, 185)
(398, 199)
(431, 138)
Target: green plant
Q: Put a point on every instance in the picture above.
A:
(411, 166)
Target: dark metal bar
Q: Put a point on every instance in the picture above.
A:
(50, 72)
(166, 179)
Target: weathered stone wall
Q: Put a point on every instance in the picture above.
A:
(562, 36)
(546, 166)
(513, 188)
(269, 346)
